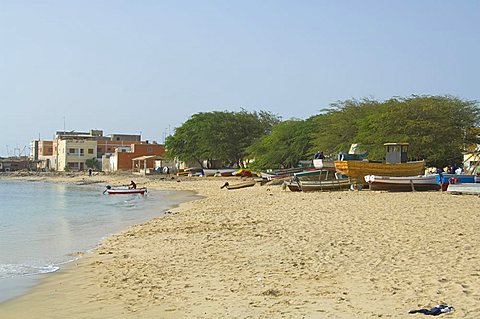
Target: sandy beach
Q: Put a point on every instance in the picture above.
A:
(265, 252)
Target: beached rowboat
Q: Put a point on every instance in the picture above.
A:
(240, 185)
(465, 188)
(312, 186)
(402, 183)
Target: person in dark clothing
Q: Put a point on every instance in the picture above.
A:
(132, 185)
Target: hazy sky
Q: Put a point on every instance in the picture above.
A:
(147, 66)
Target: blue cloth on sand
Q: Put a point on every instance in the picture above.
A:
(435, 311)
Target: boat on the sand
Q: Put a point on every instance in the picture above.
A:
(218, 171)
(464, 188)
(239, 185)
(396, 164)
(402, 183)
(360, 169)
(316, 186)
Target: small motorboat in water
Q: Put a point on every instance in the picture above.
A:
(125, 191)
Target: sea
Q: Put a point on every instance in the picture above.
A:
(43, 226)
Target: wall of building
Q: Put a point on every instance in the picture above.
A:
(124, 159)
(45, 148)
(11, 165)
(125, 137)
(74, 153)
(108, 147)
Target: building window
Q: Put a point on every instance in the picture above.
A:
(82, 152)
(149, 150)
(50, 149)
(71, 151)
(90, 151)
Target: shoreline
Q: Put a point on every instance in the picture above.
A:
(263, 252)
(174, 197)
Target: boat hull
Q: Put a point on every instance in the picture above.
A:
(219, 172)
(241, 185)
(317, 186)
(315, 175)
(402, 184)
(359, 169)
(458, 178)
(140, 191)
(465, 188)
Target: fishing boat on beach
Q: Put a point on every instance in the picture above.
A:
(125, 191)
(396, 164)
(402, 183)
(464, 188)
(218, 171)
(239, 185)
(312, 186)
(281, 173)
(446, 178)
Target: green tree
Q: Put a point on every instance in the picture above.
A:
(435, 126)
(221, 136)
(288, 143)
(337, 127)
(91, 163)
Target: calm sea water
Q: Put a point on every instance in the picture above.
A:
(43, 224)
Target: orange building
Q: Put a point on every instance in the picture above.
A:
(123, 157)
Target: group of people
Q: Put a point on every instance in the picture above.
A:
(450, 169)
(318, 155)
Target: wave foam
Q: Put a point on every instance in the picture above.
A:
(18, 270)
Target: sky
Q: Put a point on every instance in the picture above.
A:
(145, 66)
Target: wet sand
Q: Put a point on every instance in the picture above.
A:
(264, 252)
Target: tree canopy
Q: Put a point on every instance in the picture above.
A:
(438, 129)
(435, 126)
(221, 136)
(288, 143)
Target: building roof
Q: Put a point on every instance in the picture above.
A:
(395, 144)
(142, 158)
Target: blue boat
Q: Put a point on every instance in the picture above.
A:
(457, 179)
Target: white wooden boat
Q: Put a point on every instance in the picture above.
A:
(464, 188)
(402, 183)
(240, 185)
(218, 171)
(312, 186)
